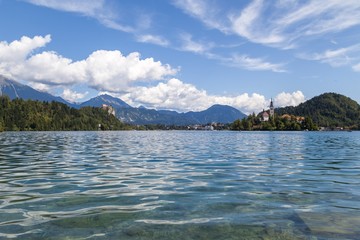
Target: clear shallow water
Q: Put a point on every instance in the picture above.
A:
(180, 185)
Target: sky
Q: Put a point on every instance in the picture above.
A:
(184, 55)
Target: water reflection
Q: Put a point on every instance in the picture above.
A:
(206, 185)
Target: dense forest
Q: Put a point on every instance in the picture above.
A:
(290, 123)
(330, 110)
(29, 115)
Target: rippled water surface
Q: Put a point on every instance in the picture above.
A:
(180, 185)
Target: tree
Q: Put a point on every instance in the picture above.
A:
(237, 125)
(308, 124)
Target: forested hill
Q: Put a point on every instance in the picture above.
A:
(29, 115)
(328, 110)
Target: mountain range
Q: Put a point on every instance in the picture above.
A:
(125, 112)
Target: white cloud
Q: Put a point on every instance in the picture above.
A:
(249, 25)
(51, 68)
(289, 99)
(281, 24)
(102, 70)
(321, 17)
(20, 49)
(180, 96)
(112, 71)
(96, 9)
(173, 94)
(40, 86)
(189, 45)
(157, 40)
(254, 64)
(73, 96)
(335, 58)
(203, 11)
(87, 7)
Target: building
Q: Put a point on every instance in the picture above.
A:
(288, 117)
(109, 109)
(265, 115)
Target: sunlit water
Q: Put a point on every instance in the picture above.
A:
(180, 185)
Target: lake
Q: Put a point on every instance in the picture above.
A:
(180, 185)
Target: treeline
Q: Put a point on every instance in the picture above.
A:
(29, 115)
(276, 123)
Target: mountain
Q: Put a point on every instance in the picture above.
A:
(105, 99)
(143, 116)
(216, 113)
(15, 89)
(328, 110)
(126, 113)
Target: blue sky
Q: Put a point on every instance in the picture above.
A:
(184, 54)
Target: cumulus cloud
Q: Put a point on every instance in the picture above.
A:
(180, 96)
(101, 70)
(51, 68)
(173, 94)
(112, 71)
(20, 49)
(289, 99)
(73, 96)
(11, 54)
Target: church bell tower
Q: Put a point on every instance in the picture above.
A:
(272, 109)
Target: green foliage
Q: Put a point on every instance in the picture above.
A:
(21, 115)
(274, 124)
(329, 110)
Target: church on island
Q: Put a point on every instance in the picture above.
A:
(265, 115)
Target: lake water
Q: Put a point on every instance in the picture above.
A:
(180, 185)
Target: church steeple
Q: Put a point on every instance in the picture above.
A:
(272, 109)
